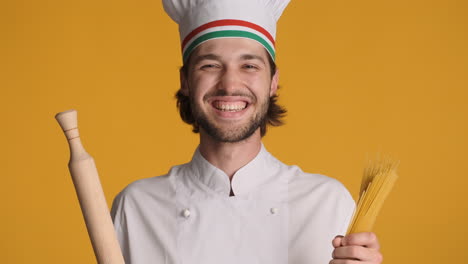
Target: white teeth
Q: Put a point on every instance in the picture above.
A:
(230, 107)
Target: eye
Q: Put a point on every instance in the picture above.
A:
(250, 67)
(209, 66)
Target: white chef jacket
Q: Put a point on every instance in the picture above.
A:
(279, 215)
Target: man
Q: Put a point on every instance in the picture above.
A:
(234, 202)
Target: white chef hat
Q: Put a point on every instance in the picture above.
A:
(202, 20)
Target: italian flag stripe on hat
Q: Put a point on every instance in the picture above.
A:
(202, 20)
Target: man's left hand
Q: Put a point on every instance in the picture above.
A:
(357, 248)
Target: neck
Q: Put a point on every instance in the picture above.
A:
(230, 157)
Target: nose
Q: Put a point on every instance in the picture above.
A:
(229, 80)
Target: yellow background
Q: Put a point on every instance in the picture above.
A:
(358, 78)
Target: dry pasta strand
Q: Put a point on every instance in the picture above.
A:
(377, 181)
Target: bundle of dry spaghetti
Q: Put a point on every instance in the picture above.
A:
(377, 182)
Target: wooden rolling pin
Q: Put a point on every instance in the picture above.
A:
(90, 194)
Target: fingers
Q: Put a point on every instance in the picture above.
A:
(344, 261)
(365, 239)
(358, 253)
(337, 241)
(356, 248)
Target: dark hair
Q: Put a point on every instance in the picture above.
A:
(275, 112)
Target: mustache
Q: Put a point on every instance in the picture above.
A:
(226, 93)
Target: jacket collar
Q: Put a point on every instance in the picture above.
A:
(258, 178)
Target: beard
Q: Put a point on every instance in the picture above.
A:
(235, 133)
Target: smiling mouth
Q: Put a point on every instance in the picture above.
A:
(226, 106)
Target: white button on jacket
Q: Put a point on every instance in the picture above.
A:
(278, 215)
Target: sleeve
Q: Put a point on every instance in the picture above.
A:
(349, 208)
(119, 218)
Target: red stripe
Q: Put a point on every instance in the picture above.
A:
(227, 22)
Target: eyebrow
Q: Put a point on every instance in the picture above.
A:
(253, 57)
(209, 56)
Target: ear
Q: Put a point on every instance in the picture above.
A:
(274, 83)
(183, 83)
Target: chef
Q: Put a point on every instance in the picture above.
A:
(235, 203)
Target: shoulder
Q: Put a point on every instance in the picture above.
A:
(146, 186)
(307, 187)
(312, 182)
(302, 183)
(158, 188)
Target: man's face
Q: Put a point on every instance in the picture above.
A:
(229, 85)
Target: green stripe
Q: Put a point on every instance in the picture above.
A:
(226, 34)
